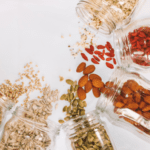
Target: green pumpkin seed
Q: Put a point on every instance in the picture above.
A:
(61, 121)
(63, 97)
(70, 82)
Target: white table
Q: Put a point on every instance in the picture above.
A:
(30, 30)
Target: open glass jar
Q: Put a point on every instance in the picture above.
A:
(88, 132)
(21, 133)
(132, 45)
(126, 102)
(107, 15)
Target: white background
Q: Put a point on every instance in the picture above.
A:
(30, 30)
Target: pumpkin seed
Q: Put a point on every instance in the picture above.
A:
(70, 82)
(63, 97)
(67, 118)
(61, 121)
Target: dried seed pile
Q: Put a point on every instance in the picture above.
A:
(88, 81)
(76, 107)
(21, 135)
(101, 54)
(89, 137)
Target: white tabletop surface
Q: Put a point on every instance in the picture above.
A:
(30, 30)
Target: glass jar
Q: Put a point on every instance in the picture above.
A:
(5, 105)
(88, 132)
(106, 15)
(132, 45)
(22, 133)
(125, 101)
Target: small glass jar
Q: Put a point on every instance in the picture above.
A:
(22, 133)
(107, 15)
(125, 101)
(132, 45)
(88, 132)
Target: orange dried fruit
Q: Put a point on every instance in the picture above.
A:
(142, 105)
(109, 84)
(89, 69)
(88, 86)
(96, 92)
(94, 76)
(133, 106)
(81, 93)
(97, 83)
(81, 67)
(126, 90)
(133, 85)
(139, 112)
(147, 99)
(146, 115)
(119, 98)
(119, 104)
(146, 108)
(137, 97)
(83, 80)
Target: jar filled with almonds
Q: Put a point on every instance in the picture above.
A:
(125, 100)
(107, 15)
(22, 132)
(87, 132)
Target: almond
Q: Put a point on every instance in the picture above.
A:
(96, 92)
(81, 93)
(81, 67)
(89, 69)
(83, 80)
(97, 83)
(94, 76)
(88, 86)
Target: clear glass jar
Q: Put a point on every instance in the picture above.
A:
(23, 133)
(132, 45)
(5, 104)
(107, 15)
(125, 101)
(88, 132)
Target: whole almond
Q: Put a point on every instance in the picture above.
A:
(81, 93)
(89, 69)
(94, 76)
(96, 92)
(97, 83)
(83, 80)
(88, 86)
(81, 67)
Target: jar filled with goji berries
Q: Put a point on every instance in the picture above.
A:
(106, 15)
(88, 132)
(26, 131)
(132, 45)
(125, 101)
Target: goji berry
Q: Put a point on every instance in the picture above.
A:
(114, 61)
(100, 47)
(89, 50)
(108, 59)
(109, 65)
(97, 52)
(94, 61)
(101, 57)
(92, 47)
(84, 56)
(96, 58)
(110, 54)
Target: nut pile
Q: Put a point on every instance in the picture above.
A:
(89, 81)
(92, 137)
(76, 107)
(19, 135)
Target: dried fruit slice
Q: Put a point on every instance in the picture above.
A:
(94, 76)
(83, 80)
(88, 86)
(97, 83)
(81, 67)
(81, 93)
(89, 69)
(96, 92)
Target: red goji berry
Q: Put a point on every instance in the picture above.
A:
(114, 61)
(96, 58)
(103, 52)
(142, 34)
(94, 61)
(108, 48)
(108, 59)
(100, 47)
(109, 65)
(101, 57)
(92, 47)
(89, 51)
(134, 34)
(97, 52)
(84, 56)
(110, 54)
